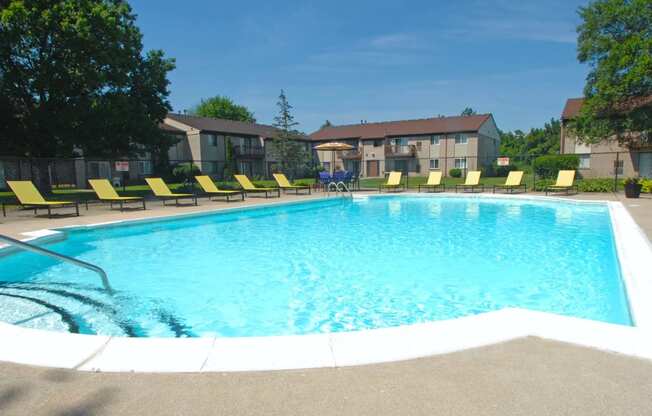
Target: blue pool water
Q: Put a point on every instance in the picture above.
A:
(324, 266)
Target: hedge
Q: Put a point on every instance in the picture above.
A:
(455, 173)
(548, 166)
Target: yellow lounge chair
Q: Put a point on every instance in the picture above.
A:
(161, 191)
(208, 186)
(472, 182)
(433, 183)
(29, 197)
(106, 193)
(249, 187)
(393, 182)
(285, 185)
(565, 182)
(514, 181)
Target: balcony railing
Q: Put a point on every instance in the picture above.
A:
(351, 154)
(257, 152)
(397, 150)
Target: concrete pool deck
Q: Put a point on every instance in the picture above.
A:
(554, 372)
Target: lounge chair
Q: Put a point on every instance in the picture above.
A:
(248, 187)
(565, 182)
(433, 183)
(162, 192)
(285, 185)
(471, 183)
(393, 182)
(514, 181)
(30, 198)
(106, 193)
(208, 186)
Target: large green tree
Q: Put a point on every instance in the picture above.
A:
(74, 77)
(291, 154)
(615, 39)
(522, 146)
(223, 107)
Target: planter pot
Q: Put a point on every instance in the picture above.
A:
(633, 190)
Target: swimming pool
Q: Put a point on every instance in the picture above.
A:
(324, 266)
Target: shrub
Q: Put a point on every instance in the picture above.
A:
(184, 171)
(548, 166)
(503, 171)
(455, 173)
(647, 185)
(596, 185)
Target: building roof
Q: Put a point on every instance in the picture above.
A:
(219, 125)
(170, 129)
(572, 108)
(434, 125)
(574, 105)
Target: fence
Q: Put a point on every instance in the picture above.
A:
(75, 172)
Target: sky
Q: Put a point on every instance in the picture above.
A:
(346, 61)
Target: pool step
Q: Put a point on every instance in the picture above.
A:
(82, 309)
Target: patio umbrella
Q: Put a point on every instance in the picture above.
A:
(334, 147)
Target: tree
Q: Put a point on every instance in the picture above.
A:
(223, 107)
(73, 77)
(616, 41)
(290, 153)
(537, 142)
(326, 124)
(468, 111)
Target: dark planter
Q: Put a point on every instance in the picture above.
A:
(633, 190)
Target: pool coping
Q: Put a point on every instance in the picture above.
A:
(206, 354)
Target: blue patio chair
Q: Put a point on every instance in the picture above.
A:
(339, 176)
(324, 179)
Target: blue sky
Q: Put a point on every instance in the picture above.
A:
(374, 60)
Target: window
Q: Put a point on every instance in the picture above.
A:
(434, 163)
(326, 166)
(585, 161)
(461, 138)
(145, 167)
(460, 163)
(434, 140)
(212, 140)
(619, 167)
(378, 143)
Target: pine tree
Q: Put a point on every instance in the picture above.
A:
(290, 153)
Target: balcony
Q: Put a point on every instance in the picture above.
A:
(400, 151)
(248, 152)
(350, 154)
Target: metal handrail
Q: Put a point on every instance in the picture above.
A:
(39, 250)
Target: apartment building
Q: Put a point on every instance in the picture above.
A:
(606, 158)
(204, 140)
(412, 146)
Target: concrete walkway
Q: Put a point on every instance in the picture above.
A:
(522, 377)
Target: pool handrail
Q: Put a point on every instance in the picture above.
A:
(40, 250)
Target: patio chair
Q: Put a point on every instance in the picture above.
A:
(514, 181)
(471, 183)
(565, 182)
(30, 198)
(162, 191)
(106, 193)
(248, 187)
(324, 179)
(208, 186)
(393, 182)
(433, 183)
(285, 184)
